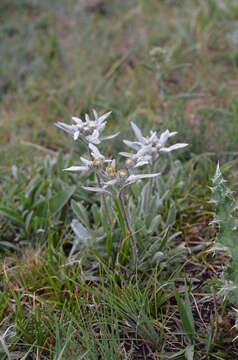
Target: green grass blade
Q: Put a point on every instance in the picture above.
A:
(185, 313)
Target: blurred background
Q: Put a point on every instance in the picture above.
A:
(161, 63)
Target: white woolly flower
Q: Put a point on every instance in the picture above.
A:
(149, 146)
(89, 130)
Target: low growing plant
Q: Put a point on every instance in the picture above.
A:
(111, 181)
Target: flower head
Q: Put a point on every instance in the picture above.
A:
(148, 148)
(89, 130)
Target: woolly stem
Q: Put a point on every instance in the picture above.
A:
(150, 188)
(103, 196)
(133, 241)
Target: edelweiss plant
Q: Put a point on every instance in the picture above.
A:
(112, 181)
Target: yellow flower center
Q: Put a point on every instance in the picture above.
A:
(97, 162)
(110, 170)
(121, 173)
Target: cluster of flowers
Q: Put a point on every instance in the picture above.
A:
(113, 181)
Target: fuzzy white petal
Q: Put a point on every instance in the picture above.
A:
(133, 178)
(95, 152)
(164, 137)
(86, 161)
(102, 118)
(109, 137)
(77, 168)
(68, 128)
(172, 133)
(153, 137)
(76, 135)
(137, 132)
(141, 163)
(173, 147)
(132, 144)
(77, 120)
(126, 154)
(95, 114)
(87, 118)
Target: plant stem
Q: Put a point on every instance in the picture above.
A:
(103, 196)
(150, 188)
(133, 241)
